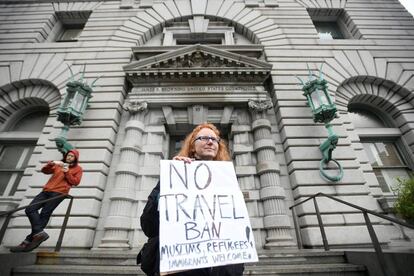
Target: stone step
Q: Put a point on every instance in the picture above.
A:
(129, 258)
(304, 269)
(271, 262)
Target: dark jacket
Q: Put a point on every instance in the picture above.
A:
(150, 222)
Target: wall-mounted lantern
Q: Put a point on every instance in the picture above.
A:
(74, 104)
(324, 111)
(72, 108)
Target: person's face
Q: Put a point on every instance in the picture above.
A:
(70, 158)
(206, 144)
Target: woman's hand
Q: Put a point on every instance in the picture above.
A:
(183, 158)
(57, 163)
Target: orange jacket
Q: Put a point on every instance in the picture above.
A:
(61, 182)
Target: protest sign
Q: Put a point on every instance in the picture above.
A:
(203, 217)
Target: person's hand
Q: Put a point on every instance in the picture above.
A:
(183, 158)
(58, 163)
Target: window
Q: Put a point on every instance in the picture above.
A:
(13, 161)
(69, 26)
(383, 147)
(71, 33)
(176, 142)
(333, 24)
(17, 143)
(387, 163)
(198, 30)
(328, 30)
(199, 39)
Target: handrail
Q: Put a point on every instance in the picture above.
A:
(365, 212)
(8, 215)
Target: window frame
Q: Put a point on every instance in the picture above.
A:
(17, 172)
(385, 134)
(27, 139)
(64, 31)
(403, 166)
(337, 16)
(66, 21)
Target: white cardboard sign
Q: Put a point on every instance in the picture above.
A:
(203, 217)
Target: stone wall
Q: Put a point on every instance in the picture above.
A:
(377, 62)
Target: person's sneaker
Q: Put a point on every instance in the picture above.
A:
(21, 247)
(37, 240)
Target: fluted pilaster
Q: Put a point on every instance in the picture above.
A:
(275, 221)
(243, 161)
(122, 198)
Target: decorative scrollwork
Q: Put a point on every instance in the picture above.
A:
(198, 60)
(260, 105)
(134, 106)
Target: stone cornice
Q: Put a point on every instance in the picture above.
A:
(198, 62)
(181, 53)
(249, 50)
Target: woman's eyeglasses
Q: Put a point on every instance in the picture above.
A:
(205, 139)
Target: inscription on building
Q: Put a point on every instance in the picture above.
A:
(196, 89)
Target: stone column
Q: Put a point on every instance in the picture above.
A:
(275, 221)
(118, 222)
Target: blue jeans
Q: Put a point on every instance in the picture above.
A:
(38, 220)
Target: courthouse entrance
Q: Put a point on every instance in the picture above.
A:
(172, 91)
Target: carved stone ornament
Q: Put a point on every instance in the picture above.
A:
(134, 106)
(198, 60)
(260, 106)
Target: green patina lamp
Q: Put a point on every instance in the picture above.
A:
(324, 111)
(72, 108)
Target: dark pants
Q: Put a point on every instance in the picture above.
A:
(40, 220)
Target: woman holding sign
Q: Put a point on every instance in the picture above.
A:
(203, 143)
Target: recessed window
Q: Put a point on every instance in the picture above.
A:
(13, 162)
(176, 142)
(198, 30)
(70, 34)
(17, 143)
(333, 24)
(382, 145)
(328, 30)
(69, 26)
(387, 164)
(191, 40)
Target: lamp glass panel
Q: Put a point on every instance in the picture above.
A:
(323, 97)
(77, 102)
(67, 100)
(315, 99)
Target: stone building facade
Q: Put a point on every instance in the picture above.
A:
(168, 65)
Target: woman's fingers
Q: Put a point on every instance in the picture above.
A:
(183, 158)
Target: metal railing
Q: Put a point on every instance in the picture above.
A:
(365, 212)
(8, 215)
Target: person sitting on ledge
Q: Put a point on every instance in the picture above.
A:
(65, 174)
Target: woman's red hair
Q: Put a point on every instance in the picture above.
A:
(188, 150)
